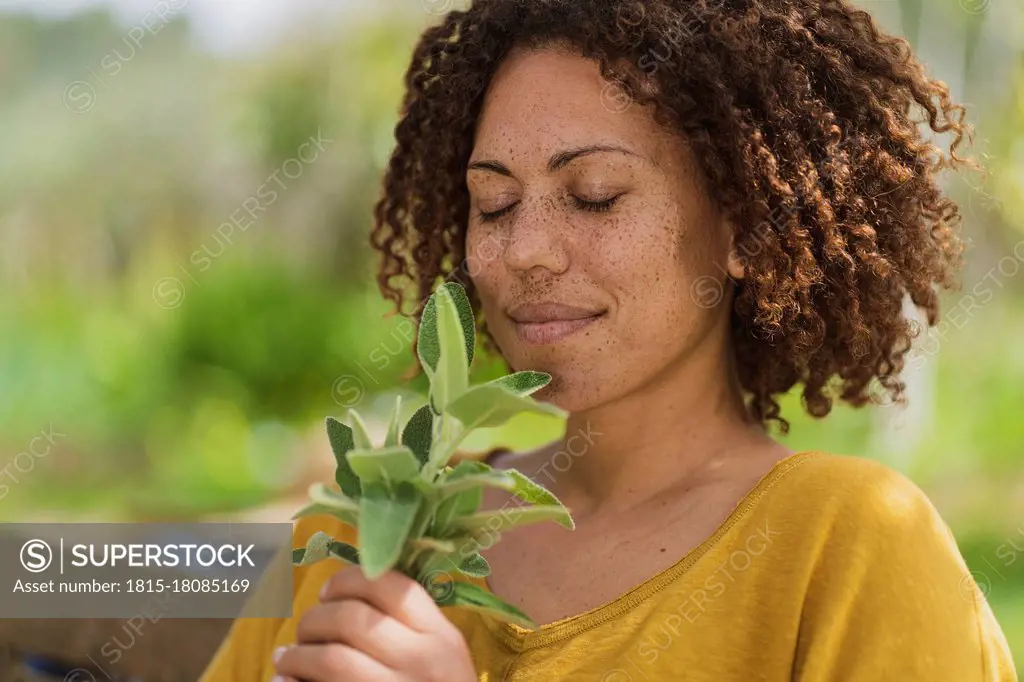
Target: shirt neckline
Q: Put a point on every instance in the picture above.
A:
(518, 638)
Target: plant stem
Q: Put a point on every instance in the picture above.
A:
(443, 445)
(422, 522)
(408, 564)
(455, 444)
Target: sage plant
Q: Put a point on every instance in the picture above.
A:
(414, 513)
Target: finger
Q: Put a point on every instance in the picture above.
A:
(329, 663)
(394, 593)
(361, 626)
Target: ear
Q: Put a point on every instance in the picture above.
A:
(734, 265)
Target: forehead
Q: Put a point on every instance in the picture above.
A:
(541, 100)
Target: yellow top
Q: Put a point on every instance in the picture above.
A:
(830, 568)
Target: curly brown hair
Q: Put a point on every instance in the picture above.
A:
(801, 113)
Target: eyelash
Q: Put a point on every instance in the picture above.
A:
(592, 206)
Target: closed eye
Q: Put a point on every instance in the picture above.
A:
(494, 215)
(582, 204)
(595, 206)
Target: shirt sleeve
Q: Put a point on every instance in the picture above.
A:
(240, 657)
(889, 596)
(245, 653)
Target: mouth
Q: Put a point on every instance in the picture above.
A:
(541, 333)
(548, 323)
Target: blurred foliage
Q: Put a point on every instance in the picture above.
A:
(185, 355)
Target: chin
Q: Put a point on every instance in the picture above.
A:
(572, 386)
(574, 364)
(571, 396)
(570, 401)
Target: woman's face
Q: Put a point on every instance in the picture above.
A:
(592, 242)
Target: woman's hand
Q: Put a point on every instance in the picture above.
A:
(387, 629)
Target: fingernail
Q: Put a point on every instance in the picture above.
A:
(323, 591)
(278, 652)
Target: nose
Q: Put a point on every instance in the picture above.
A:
(536, 240)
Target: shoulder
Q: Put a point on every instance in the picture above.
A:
(859, 530)
(835, 475)
(849, 493)
(882, 578)
(845, 520)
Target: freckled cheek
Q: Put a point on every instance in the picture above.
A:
(484, 246)
(487, 278)
(638, 259)
(649, 279)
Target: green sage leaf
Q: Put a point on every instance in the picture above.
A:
(466, 319)
(385, 519)
(494, 479)
(322, 495)
(396, 463)
(313, 509)
(360, 434)
(523, 383)
(428, 347)
(512, 480)
(458, 502)
(470, 596)
(449, 561)
(316, 548)
(451, 376)
(491, 405)
(475, 565)
(419, 433)
(343, 551)
(502, 520)
(391, 438)
(341, 440)
(530, 491)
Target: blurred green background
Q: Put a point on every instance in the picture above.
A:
(186, 288)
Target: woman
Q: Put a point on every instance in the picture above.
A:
(681, 209)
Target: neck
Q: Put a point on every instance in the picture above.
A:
(667, 431)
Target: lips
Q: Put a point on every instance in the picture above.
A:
(548, 322)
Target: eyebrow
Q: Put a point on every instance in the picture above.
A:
(557, 161)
